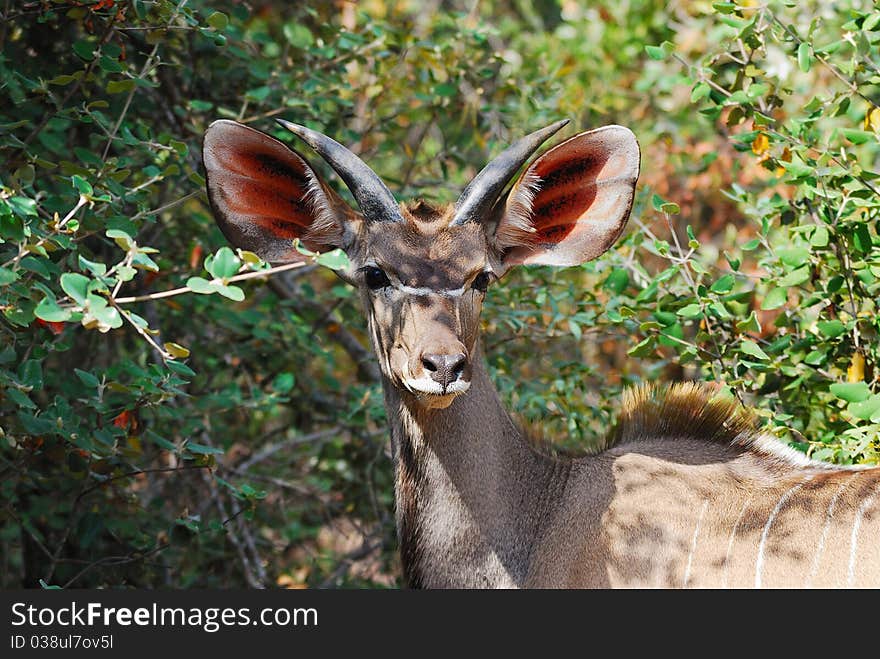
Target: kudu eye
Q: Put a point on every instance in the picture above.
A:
(481, 282)
(375, 278)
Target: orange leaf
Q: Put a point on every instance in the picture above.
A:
(123, 419)
(195, 256)
(856, 370)
(54, 327)
(761, 144)
(872, 120)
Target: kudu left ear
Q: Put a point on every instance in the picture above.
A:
(265, 194)
(571, 204)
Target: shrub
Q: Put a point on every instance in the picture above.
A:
(171, 415)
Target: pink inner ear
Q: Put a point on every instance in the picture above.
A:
(583, 198)
(259, 189)
(254, 179)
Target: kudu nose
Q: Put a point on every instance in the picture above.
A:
(444, 369)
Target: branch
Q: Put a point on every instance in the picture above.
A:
(186, 289)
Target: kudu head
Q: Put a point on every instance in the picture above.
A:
(422, 271)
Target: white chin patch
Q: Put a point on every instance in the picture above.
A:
(427, 387)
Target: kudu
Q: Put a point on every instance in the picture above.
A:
(687, 492)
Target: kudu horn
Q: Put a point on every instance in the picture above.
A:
(480, 195)
(373, 197)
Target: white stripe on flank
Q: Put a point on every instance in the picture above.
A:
(730, 542)
(853, 541)
(759, 564)
(687, 569)
(814, 569)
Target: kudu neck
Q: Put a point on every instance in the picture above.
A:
(469, 488)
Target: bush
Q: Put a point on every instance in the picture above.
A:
(232, 433)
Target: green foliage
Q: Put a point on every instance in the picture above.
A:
(174, 412)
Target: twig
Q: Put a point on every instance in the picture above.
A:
(147, 64)
(272, 449)
(156, 470)
(113, 561)
(143, 332)
(168, 206)
(186, 289)
(249, 575)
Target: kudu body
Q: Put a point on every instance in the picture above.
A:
(687, 493)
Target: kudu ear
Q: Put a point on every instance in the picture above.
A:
(572, 203)
(265, 194)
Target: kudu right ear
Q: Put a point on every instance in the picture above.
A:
(265, 194)
(571, 204)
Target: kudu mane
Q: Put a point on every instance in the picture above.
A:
(678, 413)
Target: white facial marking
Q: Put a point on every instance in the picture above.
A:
(759, 564)
(423, 291)
(854, 538)
(730, 542)
(425, 385)
(687, 569)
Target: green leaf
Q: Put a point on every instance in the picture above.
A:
(700, 91)
(794, 278)
(97, 269)
(76, 286)
(643, 348)
(284, 382)
(82, 185)
(179, 368)
(23, 207)
(776, 298)
(724, 284)
(100, 315)
(49, 311)
(223, 264)
(218, 20)
(617, 281)
(794, 256)
(30, 374)
(232, 292)
(851, 392)
(20, 398)
(84, 49)
(298, 36)
(335, 260)
(121, 238)
(750, 324)
(201, 449)
(690, 311)
(831, 329)
(804, 57)
(655, 52)
(87, 378)
(819, 237)
(109, 64)
(865, 409)
(664, 206)
(751, 348)
(797, 169)
(7, 276)
(120, 86)
(857, 136)
(201, 285)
